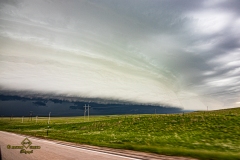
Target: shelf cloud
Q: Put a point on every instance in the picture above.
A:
(170, 53)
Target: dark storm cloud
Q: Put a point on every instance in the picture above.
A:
(20, 106)
(39, 103)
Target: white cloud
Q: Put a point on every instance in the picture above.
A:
(210, 21)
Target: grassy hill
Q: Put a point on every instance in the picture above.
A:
(203, 135)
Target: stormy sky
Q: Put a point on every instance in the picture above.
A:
(177, 53)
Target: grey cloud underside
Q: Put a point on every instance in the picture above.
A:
(178, 53)
(34, 106)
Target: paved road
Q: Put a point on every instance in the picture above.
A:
(55, 150)
(49, 150)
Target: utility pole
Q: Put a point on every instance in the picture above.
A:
(36, 118)
(88, 112)
(85, 111)
(49, 117)
(30, 115)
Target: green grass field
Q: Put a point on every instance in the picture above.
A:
(202, 135)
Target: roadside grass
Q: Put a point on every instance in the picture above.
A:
(202, 135)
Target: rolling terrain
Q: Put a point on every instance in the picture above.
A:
(202, 135)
